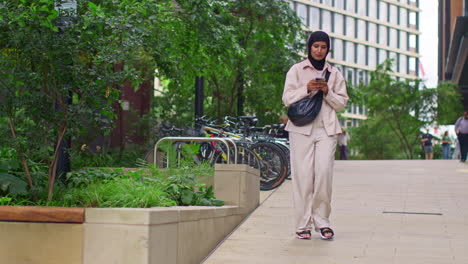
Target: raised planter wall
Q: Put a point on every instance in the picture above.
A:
(179, 235)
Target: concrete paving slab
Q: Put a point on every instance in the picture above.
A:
(399, 211)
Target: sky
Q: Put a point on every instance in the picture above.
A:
(428, 41)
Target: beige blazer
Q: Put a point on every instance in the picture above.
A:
(295, 88)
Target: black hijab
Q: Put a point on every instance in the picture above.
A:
(314, 37)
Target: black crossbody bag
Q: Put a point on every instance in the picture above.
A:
(304, 111)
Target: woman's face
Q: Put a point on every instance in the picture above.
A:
(319, 50)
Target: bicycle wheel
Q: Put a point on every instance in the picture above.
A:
(286, 151)
(273, 164)
(244, 156)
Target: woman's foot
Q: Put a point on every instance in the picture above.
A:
(303, 234)
(326, 233)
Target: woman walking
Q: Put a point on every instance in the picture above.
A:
(313, 146)
(446, 146)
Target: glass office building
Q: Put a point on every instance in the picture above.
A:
(364, 33)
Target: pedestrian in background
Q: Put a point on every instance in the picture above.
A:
(426, 140)
(461, 129)
(343, 140)
(446, 146)
(313, 145)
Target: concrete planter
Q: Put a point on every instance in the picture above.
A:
(165, 235)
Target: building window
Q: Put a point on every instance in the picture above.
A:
(291, 5)
(412, 66)
(350, 26)
(327, 2)
(301, 11)
(403, 17)
(338, 49)
(382, 56)
(362, 7)
(383, 12)
(412, 42)
(372, 32)
(314, 18)
(351, 5)
(393, 38)
(372, 8)
(393, 56)
(362, 30)
(403, 61)
(350, 76)
(339, 4)
(349, 51)
(403, 40)
(361, 54)
(371, 57)
(361, 78)
(338, 24)
(355, 123)
(383, 35)
(412, 19)
(393, 14)
(326, 21)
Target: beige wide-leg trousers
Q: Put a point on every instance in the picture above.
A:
(312, 159)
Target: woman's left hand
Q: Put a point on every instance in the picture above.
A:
(324, 87)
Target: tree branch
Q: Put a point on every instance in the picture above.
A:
(23, 160)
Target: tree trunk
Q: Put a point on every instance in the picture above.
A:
(53, 165)
(23, 161)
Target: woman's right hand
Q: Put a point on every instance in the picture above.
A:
(314, 85)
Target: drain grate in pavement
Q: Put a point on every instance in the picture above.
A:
(416, 213)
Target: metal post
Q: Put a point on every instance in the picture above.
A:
(199, 96)
(67, 13)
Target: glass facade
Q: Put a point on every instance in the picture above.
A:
(337, 49)
(350, 26)
(326, 21)
(338, 24)
(314, 17)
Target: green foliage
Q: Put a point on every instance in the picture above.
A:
(61, 81)
(449, 103)
(127, 188)
(82, 157)
(181, 189)
(10, 184)
(10, 181)
(243, 50)
(398, 110)
(5, 200)
(101, 189)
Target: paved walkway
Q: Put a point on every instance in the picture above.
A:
(369, 201)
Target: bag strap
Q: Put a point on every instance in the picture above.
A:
(327, 75)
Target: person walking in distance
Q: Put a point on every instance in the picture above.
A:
(426, 140)
(343, 139)
(446, 146)
(313, 145)
(461, 129)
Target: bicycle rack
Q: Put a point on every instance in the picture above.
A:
(198, 139)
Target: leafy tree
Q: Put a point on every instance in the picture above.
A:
(242, 48)
(59, 81)
(60, 71)
(398, 110)
(449, 107)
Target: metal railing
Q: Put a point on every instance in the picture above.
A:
(198, 139)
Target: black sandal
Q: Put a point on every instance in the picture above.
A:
(326, 230)
(300, 235)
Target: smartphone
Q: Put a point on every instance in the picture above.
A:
(320, 79)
